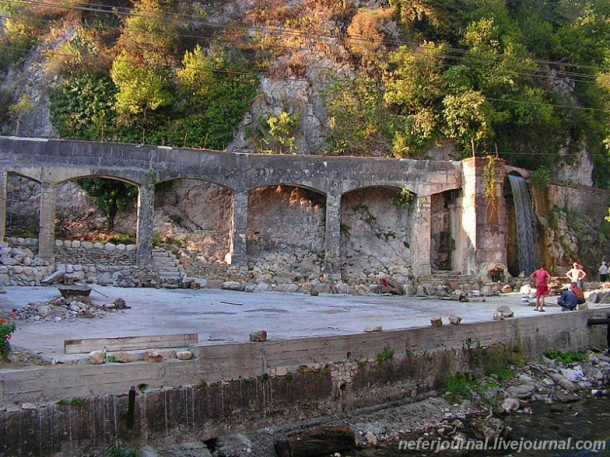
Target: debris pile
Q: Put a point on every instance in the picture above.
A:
(62, 309)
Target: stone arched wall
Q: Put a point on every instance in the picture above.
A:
(286, 231)
(376, 234)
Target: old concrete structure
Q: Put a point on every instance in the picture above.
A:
(456, 189)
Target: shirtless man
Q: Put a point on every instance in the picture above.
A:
(576, 274)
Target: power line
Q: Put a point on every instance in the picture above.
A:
(284, 46)
(538, 72)
(268, 29)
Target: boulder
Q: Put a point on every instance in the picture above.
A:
(124, 357)
(258, 336)
(506, 311)
(97, 357)
(184, 355)
(455, 320)
(153, 356)
(510, 405)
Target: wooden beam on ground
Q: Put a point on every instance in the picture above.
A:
(129, 343)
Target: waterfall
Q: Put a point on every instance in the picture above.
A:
(526, 229)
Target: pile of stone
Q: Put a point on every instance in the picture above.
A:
(62, 309)
(19, 266)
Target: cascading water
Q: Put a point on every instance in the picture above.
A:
(526, 229)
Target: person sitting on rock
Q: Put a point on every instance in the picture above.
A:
(578, 292)
(567, 301)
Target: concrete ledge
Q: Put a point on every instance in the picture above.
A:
(244, 360)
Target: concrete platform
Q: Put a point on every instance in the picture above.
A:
(225, 317)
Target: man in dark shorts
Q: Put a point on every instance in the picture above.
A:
(542, 287)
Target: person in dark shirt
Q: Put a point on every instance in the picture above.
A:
(567, 301)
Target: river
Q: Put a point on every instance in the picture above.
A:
(558, 430)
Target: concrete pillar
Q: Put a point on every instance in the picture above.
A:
(483, 219)
(46, 228)
(332, 242)
(3, 193)
(421, 237)
(144, 230)
(239, 227)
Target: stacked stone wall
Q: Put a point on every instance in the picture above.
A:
(83, 261)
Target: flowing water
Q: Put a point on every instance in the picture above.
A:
(526, 228)
(564, 430)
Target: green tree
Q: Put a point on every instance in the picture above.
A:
(110, 196)
(468, 117)
(83, 107)
(279, 136)
(141, 88)
(414, 89)
(359, 123)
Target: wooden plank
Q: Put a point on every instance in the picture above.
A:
(129, 343)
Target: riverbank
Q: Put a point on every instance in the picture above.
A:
(469, 409)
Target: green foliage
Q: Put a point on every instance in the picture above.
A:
(387, 353)
(176, 219)
(76, 401)
(7, 327)
(17, 38)
(358, 121)
(121, 238)
(491, 71)
(120, 452)
(404, 199)
(278, 134)
(110, 196)
(567, 357)
(141, 89)
(345, 229)
(541, 177)
(83, 107)
(461, 385)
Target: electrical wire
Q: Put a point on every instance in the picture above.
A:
(464, 58)
(188, 19)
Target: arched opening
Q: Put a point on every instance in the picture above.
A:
(286, 232)
(376, 225)
(96, 209)
(445, 223)
(22, 207)
(193, 219)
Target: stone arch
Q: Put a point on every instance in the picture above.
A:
(376, 233)
(286, 231)
(195, 213)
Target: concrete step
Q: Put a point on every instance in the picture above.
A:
(166, 265)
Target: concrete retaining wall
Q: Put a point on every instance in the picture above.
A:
(244, 386)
